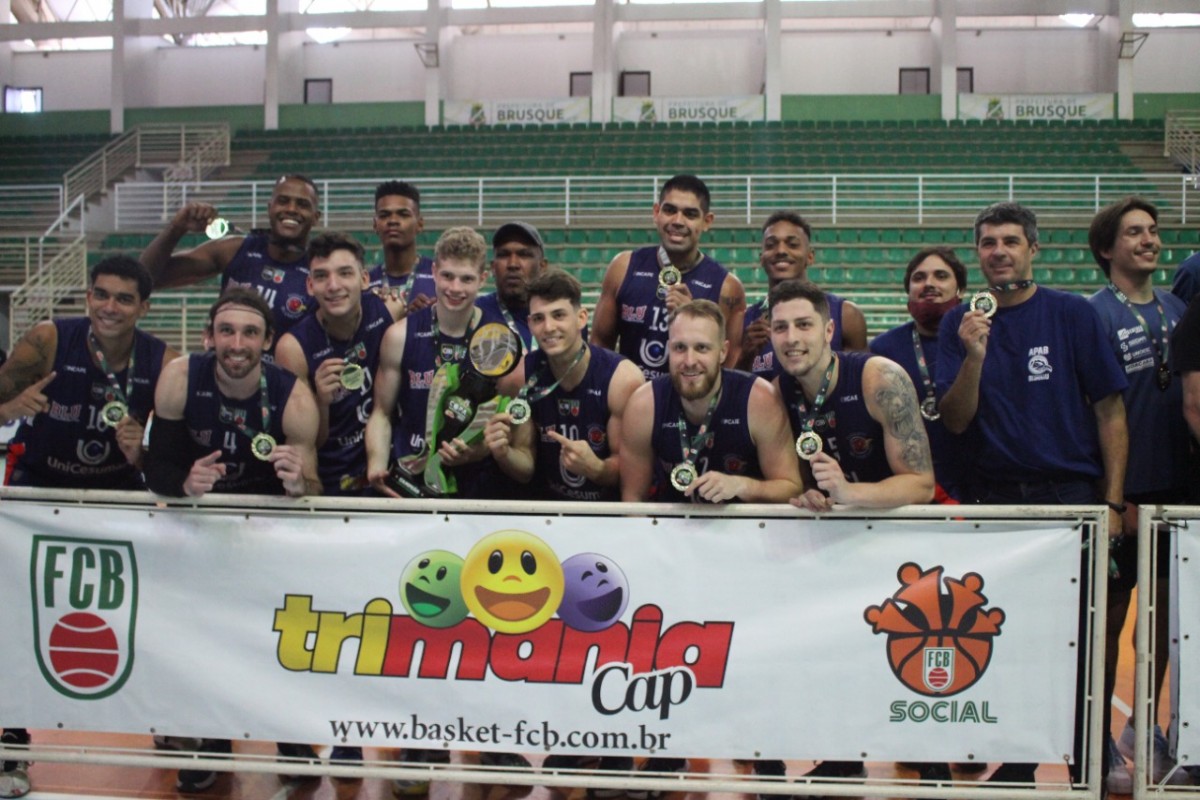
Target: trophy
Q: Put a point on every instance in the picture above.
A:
(462, 399)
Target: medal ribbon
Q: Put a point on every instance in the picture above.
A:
(819, 400)
(512, 323)
(690, 450)
(524, 391)
(460, 350)
(1162, 345)
(1015, 286)
(266, 408)
(386, 282)
(120, 392)
(926, 381)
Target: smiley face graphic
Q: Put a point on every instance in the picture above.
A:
(431, 589)
(512, 581)
(595, 594)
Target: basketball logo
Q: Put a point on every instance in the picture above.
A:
(84, 614)
(938, 643)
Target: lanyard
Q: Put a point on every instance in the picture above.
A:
(1162, 345)
(523, 393)
(512, 323)
(697, 443)
(266, 409)
(1015, 286)
(807, 416)
(450, 352)
(386, 282)
(120, 392)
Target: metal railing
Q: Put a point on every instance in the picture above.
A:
(55, 269)
(918, 199)
(1182, 140)
(186, 151)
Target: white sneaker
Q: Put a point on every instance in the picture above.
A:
(1120, 776)
(1163, 765)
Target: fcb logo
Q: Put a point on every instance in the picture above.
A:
(294, 306)
(938, 643)
(84, 614)
(596, 435)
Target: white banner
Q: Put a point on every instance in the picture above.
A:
(560, 111)
(727, 638)
(1035, 106)
(689, 109)
(1185, 638)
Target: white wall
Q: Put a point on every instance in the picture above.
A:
(70, 81)
(1048, 61)
(481, 67)
(853, 63)
(1169, 60)
(367, 71)
(683, 64)
(194, 76)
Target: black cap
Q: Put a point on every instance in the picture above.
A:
(522, 230)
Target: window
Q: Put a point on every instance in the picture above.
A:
(634, 84)
(318, 91)
(581, 84)
(22, 100)
(966, 80)
(914, 80)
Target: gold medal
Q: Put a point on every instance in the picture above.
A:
(929, 409)
(808, 444)
(520, 411)
(217, 229)
(262, 445)
(114, 412)
(353, 376)
(985, 302)
(683, 475)
(668, 276)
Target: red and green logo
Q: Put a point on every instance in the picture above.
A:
(939, 642)
(84, 613)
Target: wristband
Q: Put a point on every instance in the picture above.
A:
(1120, 507)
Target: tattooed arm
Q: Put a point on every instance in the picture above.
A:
(892, 402)
(27, 372)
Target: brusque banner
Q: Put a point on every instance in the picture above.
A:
(728, 638)
(517, 112)
(750, 108)
(1035, 106)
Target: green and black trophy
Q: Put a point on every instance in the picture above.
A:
(462, 399)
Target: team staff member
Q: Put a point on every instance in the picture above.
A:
(272, 261)
(934, 281)
(567, 443)
(643, 288)
(787, 253)
(1138, 320)
(404, 272)
(518, 257)
(84, 389)
(336, 351)
(1046, 401)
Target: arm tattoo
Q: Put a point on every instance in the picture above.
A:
(21, 371)
(898, 401)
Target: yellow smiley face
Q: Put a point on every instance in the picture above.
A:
(512, 581)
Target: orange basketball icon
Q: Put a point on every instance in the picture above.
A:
(938, 643)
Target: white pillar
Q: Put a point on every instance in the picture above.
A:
(284, 68)
(434, 33)
(603, 63)
(773, 63)
(945, 35)
(1124, 65)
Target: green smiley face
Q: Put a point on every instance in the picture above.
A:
(430, 589)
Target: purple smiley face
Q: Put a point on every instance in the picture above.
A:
(595, 592)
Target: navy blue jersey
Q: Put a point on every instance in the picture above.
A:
(417, 367)
(764, 365)
(212, 421)
(579, 414)
(490, 303)
(283, 285)
(642, 316)
(1158, 433)
(847, 430)
(949, 455)
(422, 279)
(342, 460)
(71, 446)
(1047, 363)
(728, 448)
